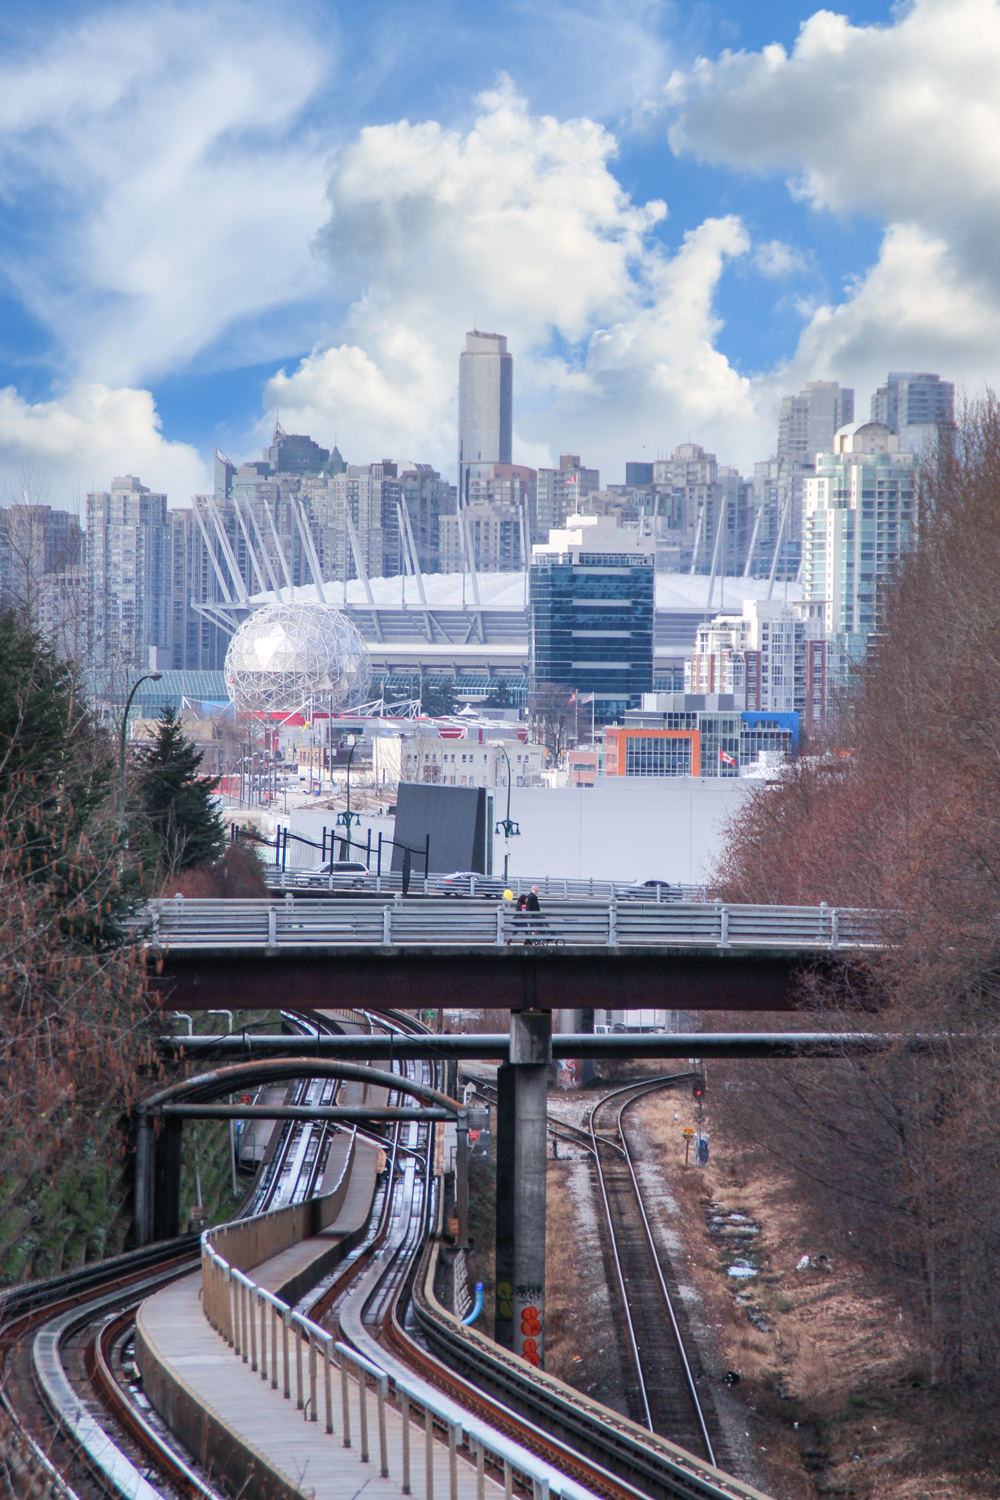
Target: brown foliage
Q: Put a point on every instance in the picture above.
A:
(902, 1152)
(236, 874)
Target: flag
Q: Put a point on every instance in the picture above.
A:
(586, 697)
(726, 758)
(573, 696)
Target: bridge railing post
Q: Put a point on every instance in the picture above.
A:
(500, 925)
(613, 923)
(387, 924)
(723, 926)
(834, 928)
(272, 927)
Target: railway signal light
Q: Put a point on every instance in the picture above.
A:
(698, 1087)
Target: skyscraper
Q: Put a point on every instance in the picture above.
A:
(129, 571)
(859, 518)
(485, 403)
(806, 427)
(919, 409)
(911, 400)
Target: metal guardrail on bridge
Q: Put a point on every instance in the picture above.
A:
(479, 885)
(294, 923)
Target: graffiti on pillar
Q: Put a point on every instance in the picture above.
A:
(505, 1301)
(529, 1303)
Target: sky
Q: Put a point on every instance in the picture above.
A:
(216, 214)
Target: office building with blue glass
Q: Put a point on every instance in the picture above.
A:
(592, 616)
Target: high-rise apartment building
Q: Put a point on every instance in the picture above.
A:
(909, 399)
(704, 513)
(36, 541)
(129, 569)
(559, 492)
(591, 614)
(809, 420)
(773, 657)
(485, 403)
(919, 409)
(860, 508)
(806, 427)
(495, 522)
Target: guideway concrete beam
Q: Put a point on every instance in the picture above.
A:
(522, 1085)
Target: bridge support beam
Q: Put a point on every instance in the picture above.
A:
(157, 1190)
(145, 1171)
(522, 1085)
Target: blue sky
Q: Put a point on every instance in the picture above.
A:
(212, 212)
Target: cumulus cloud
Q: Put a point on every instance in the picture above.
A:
(80, 442)
(900, 122)
(517, 224)
(159, 184)
(778, 261)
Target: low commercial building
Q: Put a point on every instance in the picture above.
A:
(444, 761)
(678, 734)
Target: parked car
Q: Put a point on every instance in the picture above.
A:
(345, 872)
(653, 890)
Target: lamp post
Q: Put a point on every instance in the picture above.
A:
(149, 677)
(510, 829)
(345, 819)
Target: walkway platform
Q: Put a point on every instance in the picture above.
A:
(291, 1274)
(250, 1440)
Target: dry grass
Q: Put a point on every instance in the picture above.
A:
(832, 1374)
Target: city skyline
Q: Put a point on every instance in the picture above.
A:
(671, 227)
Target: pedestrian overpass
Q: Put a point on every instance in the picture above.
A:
(379, 953)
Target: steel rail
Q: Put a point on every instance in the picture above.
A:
(668, 1300)
(46, 1311)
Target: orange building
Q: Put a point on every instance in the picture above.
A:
(653, 752)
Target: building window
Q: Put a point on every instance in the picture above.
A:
(645, 756)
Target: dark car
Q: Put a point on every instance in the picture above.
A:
(654, 890)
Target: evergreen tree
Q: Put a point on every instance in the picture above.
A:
(500, 696)
(73, 1033)
(438, 701)
(176, 800)
(56, 775)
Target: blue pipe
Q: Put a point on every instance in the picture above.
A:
(477, 1306)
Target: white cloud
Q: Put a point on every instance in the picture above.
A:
(517, 224)
(900, 122)
(80, 442)
(178, 191)
(778, 261)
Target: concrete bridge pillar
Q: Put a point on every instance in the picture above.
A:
(156, 1211)
(520, 1240)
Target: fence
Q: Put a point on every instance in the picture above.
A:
(297, 1356)
(366, 922)
(294, 856)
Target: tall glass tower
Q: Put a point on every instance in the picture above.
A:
(485, 404)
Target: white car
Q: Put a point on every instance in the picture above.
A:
(342, 872)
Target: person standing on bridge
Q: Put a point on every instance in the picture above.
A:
(533, 908)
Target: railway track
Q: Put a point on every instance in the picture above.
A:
(381, 1300)
(665, 1392)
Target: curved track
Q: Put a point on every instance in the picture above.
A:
(665, 1389)
(376, 1301)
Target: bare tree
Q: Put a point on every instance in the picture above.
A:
(552, 712)
(901, 1153)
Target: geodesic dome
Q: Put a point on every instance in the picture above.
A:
(289, 657)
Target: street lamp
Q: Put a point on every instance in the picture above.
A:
(510, 829)
(149, 677)
(345, 819)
